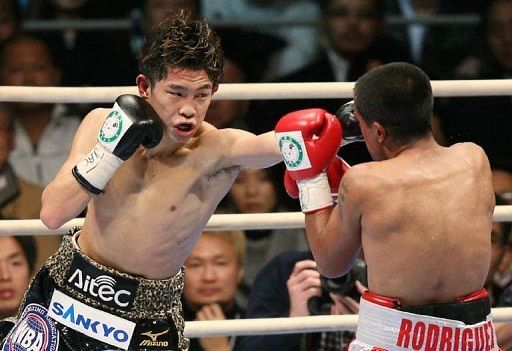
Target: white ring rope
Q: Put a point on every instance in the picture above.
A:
(281, 220)
(292, 325)
(252, 91)
(218, 222)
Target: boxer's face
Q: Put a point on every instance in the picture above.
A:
(253, 192)
(212, 272)
(181, 100)
(14, 275)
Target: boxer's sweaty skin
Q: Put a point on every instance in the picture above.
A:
(158, 202)
(423, 218)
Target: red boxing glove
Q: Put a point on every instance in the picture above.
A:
(313, 192)
(309, 139)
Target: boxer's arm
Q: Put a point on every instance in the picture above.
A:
(248, 150)
(64, 198)
(335, 235)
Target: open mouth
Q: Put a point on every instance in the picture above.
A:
(185, 127)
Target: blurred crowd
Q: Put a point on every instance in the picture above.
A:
(256, 273)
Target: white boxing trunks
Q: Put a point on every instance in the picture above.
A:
(382, 327)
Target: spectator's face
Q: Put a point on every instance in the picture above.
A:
(351, 26)
(28, 63)
(222, 112)
(14, 276)
(156, 10)
(212, 272)
(7, 20)
(497, 250)
(69, 4)
(254, 192)
(502, 183)
(499, 34)
(6, 137)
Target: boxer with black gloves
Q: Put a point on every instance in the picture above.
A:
(151, 173)
(131, 123)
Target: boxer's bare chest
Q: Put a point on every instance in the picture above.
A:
(187, 180)
(159, 206)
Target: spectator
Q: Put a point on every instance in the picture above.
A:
(10, 19)
(17, 263)
(502, 180)
(501, 289)
(77, 51)
(260, 191)
(437, 49)
(43, 131)
(467, 118)
(282, 289)
(301, 42)
(354, 43)
(213, 271)
(19, 198)
(500, 238)
(502, 184)
(153, 12)
(244, 62)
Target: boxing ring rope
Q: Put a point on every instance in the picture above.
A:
(281, 220)
(252, 91)
(218, 222)
(292, 325)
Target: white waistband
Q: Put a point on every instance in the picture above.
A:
(383, 328)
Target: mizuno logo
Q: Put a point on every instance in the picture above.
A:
(154, 337)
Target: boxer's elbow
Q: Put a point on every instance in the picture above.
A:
(52, 214)
(332, 268)
(51, 217)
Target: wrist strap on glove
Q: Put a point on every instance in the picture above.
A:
(95, 170)
(315, 193)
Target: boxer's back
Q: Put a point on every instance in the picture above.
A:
(426, 223)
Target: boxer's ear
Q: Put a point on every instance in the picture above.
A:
(143, 85)
(380, 132)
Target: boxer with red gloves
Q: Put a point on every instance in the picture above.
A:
(309, 140)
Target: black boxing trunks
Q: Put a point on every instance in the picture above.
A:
(75, 303)
(385, 325)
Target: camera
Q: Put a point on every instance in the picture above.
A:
(344, 285)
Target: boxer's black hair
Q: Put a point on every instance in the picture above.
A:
(181, 42)
(397, 95)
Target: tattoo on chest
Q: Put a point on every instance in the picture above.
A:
(229, 171)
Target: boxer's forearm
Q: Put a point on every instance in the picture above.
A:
(315, 225)
(62, 200)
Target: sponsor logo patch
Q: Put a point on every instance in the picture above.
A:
(33, 332)
(155, 335)
(153, 338)
(293, 150)
(99, 325)
(112, 127)
(112, 290)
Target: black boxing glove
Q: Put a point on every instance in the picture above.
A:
(131, 123)
(349, 123)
